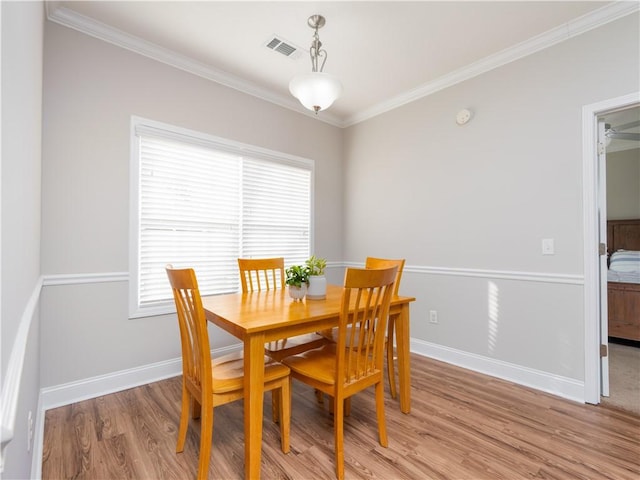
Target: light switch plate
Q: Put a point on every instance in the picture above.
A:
(547, 246)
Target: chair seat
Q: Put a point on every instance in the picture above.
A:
(228, 372)
(331, 335)
(320, 363)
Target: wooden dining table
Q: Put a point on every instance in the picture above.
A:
(260, 317)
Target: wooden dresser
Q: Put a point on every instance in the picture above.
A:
(623, 298)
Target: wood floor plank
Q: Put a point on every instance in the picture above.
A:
(463, 425)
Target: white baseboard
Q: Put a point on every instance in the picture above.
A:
(547, 382)
(72, 392)
(65, 394)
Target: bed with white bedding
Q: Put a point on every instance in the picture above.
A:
(623, 277)
(623, 242)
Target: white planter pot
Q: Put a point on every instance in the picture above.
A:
(297, 293)
(317, 287)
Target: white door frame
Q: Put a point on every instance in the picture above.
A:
(602, 257)
(592, 378)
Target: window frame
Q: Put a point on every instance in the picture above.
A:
(172, 132)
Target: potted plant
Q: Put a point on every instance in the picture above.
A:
(297, 279)
(317, 289)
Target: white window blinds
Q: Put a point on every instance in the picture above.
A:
(276, 211)
(201, 202)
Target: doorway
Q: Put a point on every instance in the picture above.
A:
(594, 208)
(622, 165)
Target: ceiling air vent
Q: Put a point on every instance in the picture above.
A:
(284, 47)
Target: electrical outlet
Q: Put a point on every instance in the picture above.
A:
(433, 316)
(29, 430)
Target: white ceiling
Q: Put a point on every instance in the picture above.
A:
(385, 53)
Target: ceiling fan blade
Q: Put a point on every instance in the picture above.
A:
(624, 136)
(626, 126)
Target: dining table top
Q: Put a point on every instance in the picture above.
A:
(253, 312)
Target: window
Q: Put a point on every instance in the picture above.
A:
(200, 201)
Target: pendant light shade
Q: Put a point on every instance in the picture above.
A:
(315, 90)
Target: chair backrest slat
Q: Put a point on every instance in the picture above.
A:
(194, 336)
(259, 274)
(373, 262)
(367, 293)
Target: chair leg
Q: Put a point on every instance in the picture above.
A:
(390, 362)
(284, 394)
(338, 428)
(382, 426)
(347, 406)
(184, 419)
(206, 434)
(275, 406)
(195, 408)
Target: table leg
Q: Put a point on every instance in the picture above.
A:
(253, 404)
(402, 343)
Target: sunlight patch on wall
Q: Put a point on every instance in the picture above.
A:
(493, 309)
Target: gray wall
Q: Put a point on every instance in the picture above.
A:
(22, 32)
(623, 184)
(91, 89)
(468, 206)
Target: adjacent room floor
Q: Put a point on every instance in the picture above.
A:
(624, 376)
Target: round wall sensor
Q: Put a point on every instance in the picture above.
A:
(463, 116)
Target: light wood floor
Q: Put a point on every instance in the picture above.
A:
(463, 425)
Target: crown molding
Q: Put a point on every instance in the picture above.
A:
(68, 18)
(575, 27)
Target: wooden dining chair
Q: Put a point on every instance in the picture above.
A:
(260, 274)
(208, 383)
(356, 361)
(373, 262)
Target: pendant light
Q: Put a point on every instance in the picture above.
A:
(316, 90)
